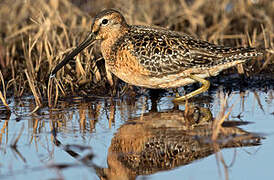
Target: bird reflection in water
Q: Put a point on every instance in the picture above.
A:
(160, 141)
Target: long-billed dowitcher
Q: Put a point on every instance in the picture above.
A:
(156, 57)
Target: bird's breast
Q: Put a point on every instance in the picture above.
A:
(126, 67)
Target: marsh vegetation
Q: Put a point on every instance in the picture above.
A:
(77, 126)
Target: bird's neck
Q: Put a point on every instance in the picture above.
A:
(108, 42)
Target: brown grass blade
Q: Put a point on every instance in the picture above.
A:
(35, 93)
(3, 96)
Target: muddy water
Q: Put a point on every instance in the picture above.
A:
(139, 138)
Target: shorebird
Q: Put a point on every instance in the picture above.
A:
(155, 57)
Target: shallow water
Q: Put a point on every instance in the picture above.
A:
(138, 138)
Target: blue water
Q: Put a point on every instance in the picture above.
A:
(93, 124)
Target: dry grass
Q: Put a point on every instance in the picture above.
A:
(3, 96)
(36, 34)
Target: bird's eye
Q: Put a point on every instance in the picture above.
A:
(104, 21)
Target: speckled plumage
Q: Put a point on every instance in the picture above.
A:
(155, 57)
(159, 58)
(164, 52)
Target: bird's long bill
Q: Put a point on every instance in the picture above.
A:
(79, 48)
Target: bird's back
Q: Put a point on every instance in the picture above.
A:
(162, 52)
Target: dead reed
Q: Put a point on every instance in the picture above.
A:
(36, 35)
(3, 96)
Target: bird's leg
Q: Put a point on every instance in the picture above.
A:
(202, 89)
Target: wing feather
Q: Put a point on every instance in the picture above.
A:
(166, 52)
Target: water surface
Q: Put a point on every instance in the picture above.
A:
(139, 138)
